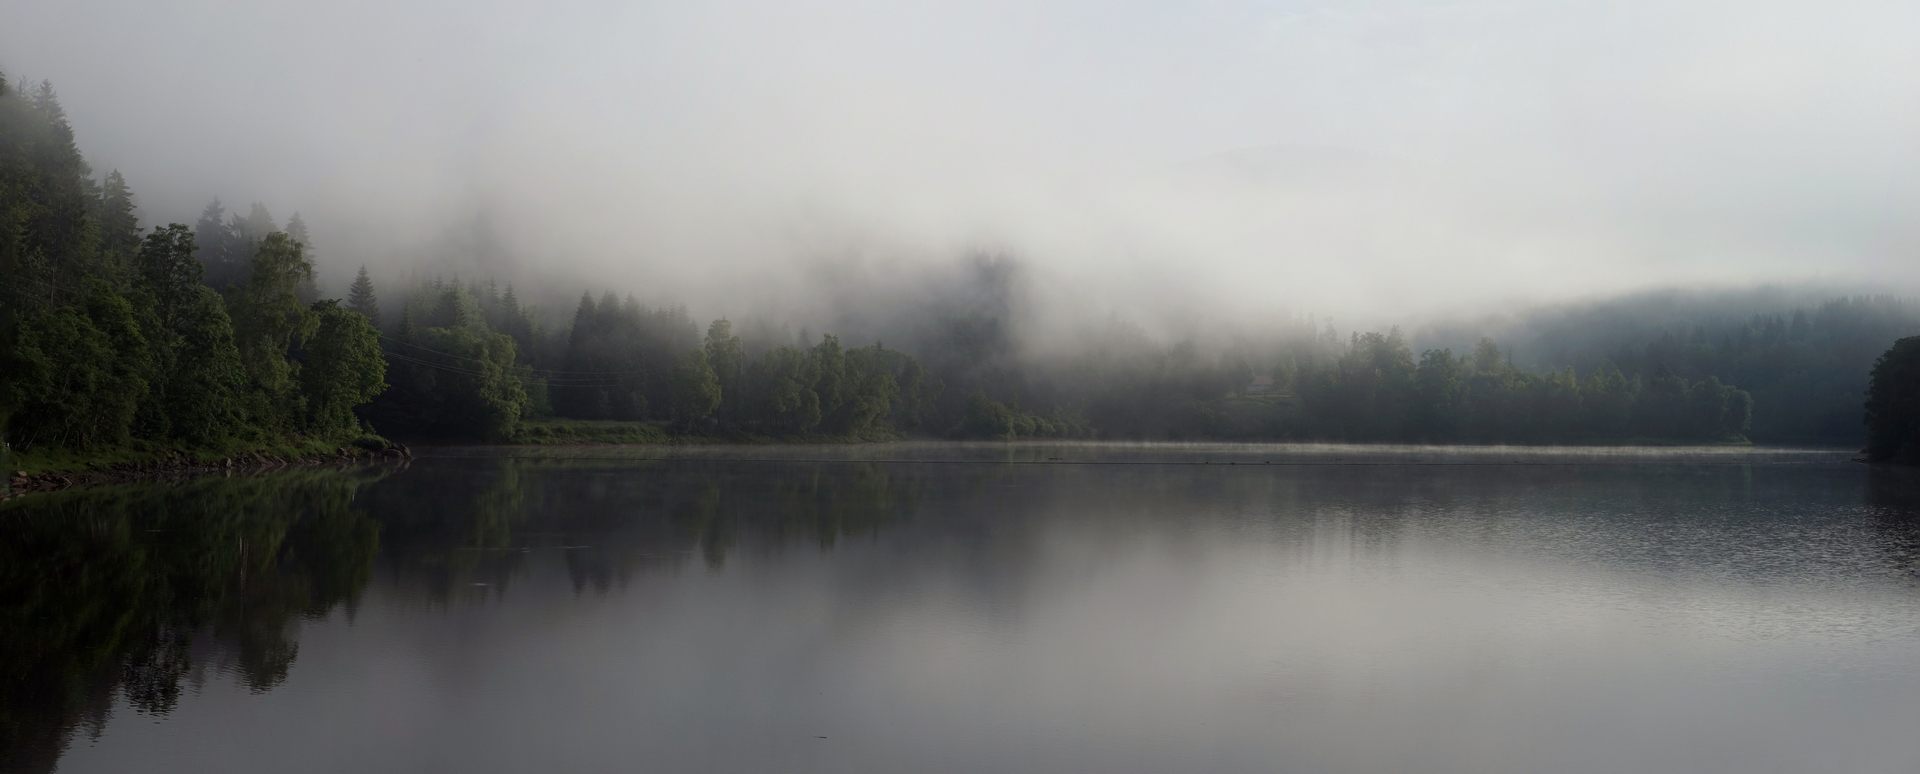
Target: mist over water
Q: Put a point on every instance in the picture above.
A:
(1033, 607)
(766, 303)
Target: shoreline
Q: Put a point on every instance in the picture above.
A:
(183, 467)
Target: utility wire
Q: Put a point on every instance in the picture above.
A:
(562, 374)
(578, 382)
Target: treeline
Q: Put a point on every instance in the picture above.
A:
(1893, 405)
(214, 337)
(1376, 391)
(111, 337)
(1805, 359)
(467, 360)
(1307, 385)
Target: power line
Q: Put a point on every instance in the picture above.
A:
(509, 372)
(543, 371)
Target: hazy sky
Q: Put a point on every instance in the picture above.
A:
(1372, 159)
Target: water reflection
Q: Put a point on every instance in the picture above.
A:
(132, 591)
(475, 524)
(716, 612)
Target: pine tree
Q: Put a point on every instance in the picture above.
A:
(297, 231)
(360, 297)
(60, 197)
(511, 303)
(259, 223)
(216, 244)
(119, 227)
(518, 323)
(451, 308)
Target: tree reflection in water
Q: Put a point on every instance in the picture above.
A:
(136, 591)
(614, 518)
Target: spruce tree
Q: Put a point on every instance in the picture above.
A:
(119, 227)
(259, 223)
(297, 231)
(217, 246)
(55, 186)
(8, 303)
(360, 297)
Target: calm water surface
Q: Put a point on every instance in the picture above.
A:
(982, 608)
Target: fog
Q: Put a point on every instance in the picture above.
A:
(1375, 162)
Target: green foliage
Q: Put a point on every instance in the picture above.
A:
(696, 388)
(116, 401)
(63, 367)
(1486, 399)
(200, 392)
(780, 398)
(296, 230)
(361, 298)
(344, 368)
(579, 431)
(451, 306)
(1806, 367)
(869, 389)
(986, 419)
(993, 420)
(914, 392)
(453, 382)
(1370, 388)
(165, 274)
(1437, 391)
(633, 350)
(728, 360)
(109, 344)
(119, 226)
(1893, 404)
(107, 338)
(269, 320)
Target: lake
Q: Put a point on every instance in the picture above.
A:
(975, 608)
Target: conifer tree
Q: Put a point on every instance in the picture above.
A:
(360, 297)
(297, 231)
(119, 227)
(56, 192)
(217, 246)
(9, 304)
(259, 223)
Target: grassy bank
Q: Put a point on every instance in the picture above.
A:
(32, 462)
(579, 431)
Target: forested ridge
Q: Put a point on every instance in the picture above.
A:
(112, 338)
(119, 338)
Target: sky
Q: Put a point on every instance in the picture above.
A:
(1366, 160)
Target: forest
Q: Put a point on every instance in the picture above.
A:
(112, 338)
(123, 338)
